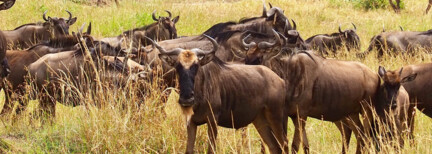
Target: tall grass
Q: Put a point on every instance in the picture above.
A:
(146, 121)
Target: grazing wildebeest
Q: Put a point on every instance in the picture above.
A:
(163, 29)
(27, 35)
(419, 89)
(335, 41)
(229, 95)
(52, 74)
(392, 105)
(326, 89)
(6, 4)
(399, 42)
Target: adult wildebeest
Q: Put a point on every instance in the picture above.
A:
(73, 72)
(392, 105)
(163, 29)
(399, 42)
(6, 4)
(420, 88)
(326, 89)
(335, 41)
(27, 35)
(229, 95)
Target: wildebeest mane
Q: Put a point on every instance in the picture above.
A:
(312, 37)
(429, 32)
(29, 24)
(58, 42)
(244, 20)
(139, 29)
(216, 29)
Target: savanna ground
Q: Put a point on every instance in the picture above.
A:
(157, 125)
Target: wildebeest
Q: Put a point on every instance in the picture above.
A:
(326, 89)
(163, 29)
(229, 95)
(27, 35)
(419, 89)
(335, 41)
(399, 42)
(393, 107)
(6, 4)
(54, 74)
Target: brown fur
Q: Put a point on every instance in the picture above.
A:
(187, 59)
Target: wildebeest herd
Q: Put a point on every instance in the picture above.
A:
(258, 70)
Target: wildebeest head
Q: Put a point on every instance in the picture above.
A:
(352, 40)
(275, 17)
(256, 51)
(59, 26)
(6, 4)
(167, 23)
(392, 83)
(187, 62)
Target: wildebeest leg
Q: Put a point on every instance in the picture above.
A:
(276, 120)
(191, 136)
(410, 121)
(263, 128)
(212, 133)
(299, 124)
(8, 105)
(47, 104)
(356, 126)
(346, 134)
(429, 6)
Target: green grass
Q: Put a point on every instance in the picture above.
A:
(158, 127)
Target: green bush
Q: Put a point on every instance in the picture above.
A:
(372, 4)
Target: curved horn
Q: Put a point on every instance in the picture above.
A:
(70, 15)
(294, 24)
(270, 5)
(82, 28)
(153, 16)
(340, 31)
(215, 44)
(264, 14)
(44, 15)
(401, 28)
(169, 13)
(400, 72)
(355, 27)
(286, 28)
(285, 39)
(265, 45)
(89, 29)
(161, 49)
(252, 44)
(276, 34)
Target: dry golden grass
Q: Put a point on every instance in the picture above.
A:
(156, 126)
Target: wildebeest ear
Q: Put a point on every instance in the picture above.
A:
(381, 71)
(206, 59)
(167, 59)
(72, 21)
(409, 78)
(176, 19)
